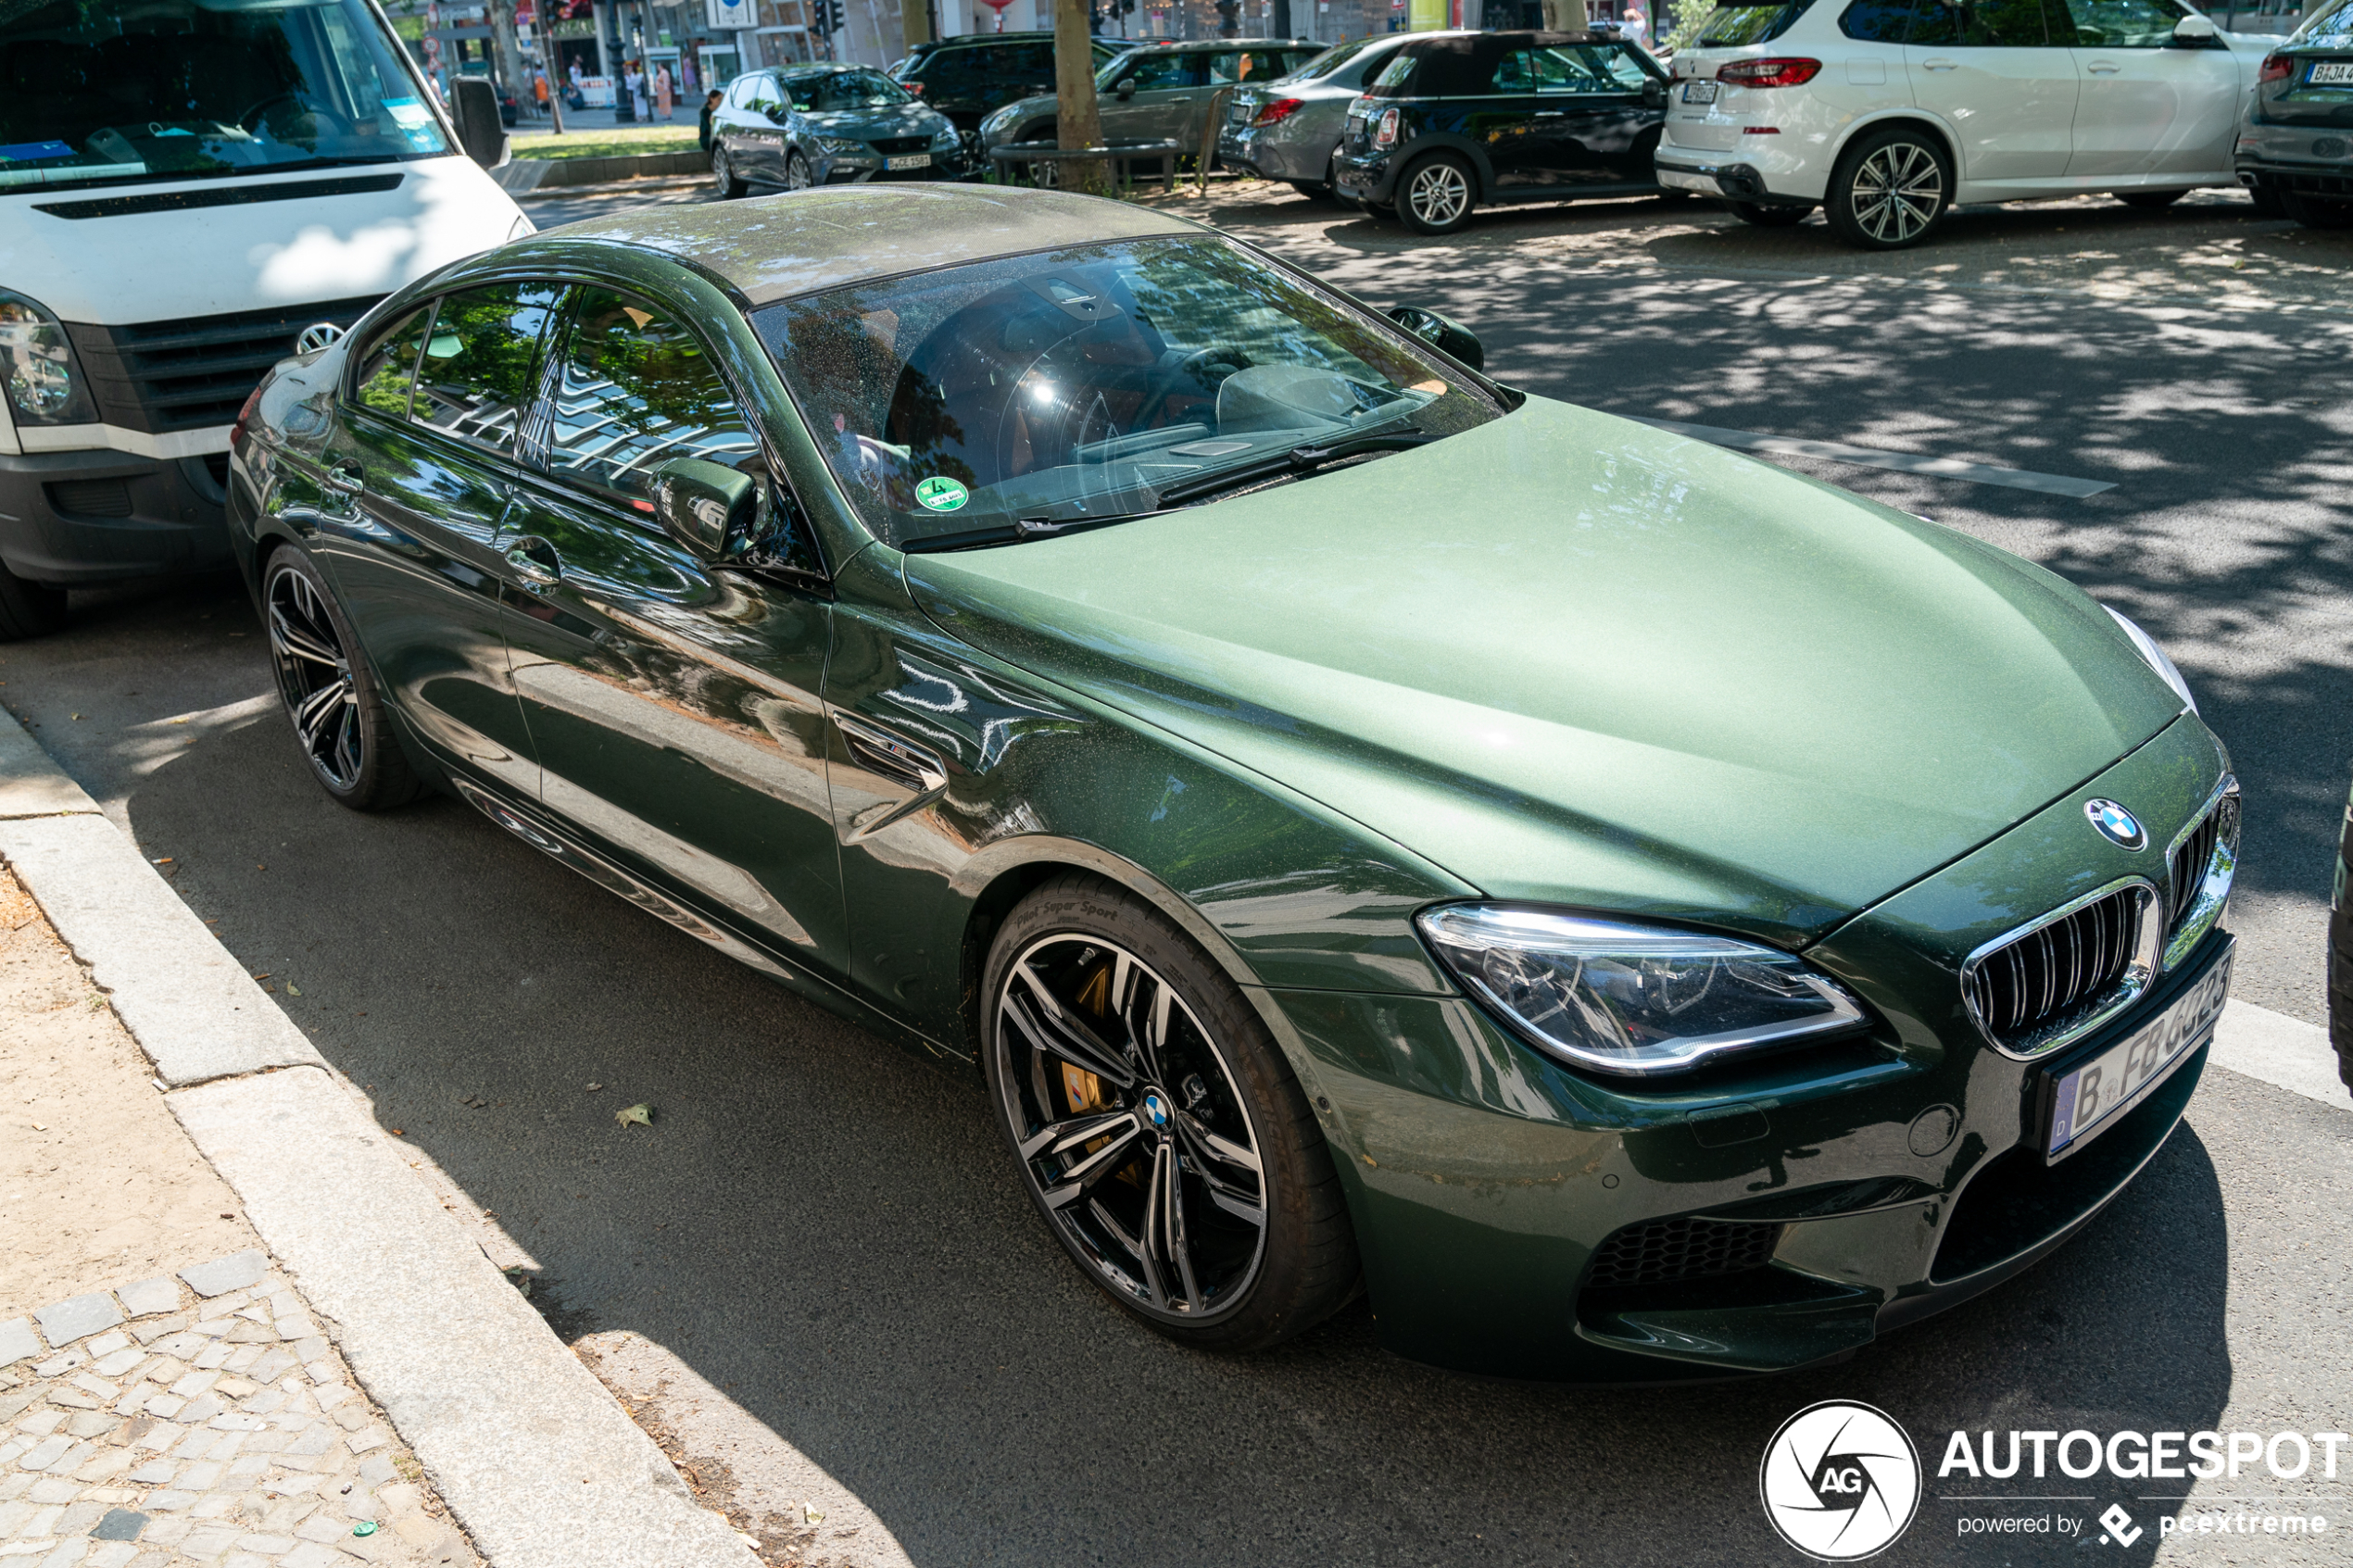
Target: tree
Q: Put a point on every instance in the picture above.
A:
(914, 23)
(1079, 119)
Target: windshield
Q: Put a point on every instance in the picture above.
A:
(1081, 382)
(836, 90)
(101, 92)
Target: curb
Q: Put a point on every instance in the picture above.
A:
(521, 175)
(536, 1459)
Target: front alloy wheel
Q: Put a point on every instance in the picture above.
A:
(1436, 198)
(723, 172)
(1158, 1130)
(330, 699)
(1889, 191)
(797, 175)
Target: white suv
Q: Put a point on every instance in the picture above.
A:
(1886, 112)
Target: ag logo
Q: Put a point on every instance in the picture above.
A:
(1840, 1481)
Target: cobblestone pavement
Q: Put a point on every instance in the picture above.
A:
(202, 1418)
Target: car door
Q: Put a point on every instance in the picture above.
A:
(424, 453)
(2142, 106)
(1588, 115)
(674, 703)
(1163, 107)
(1989, 70)
(1488, 96)
(763, 129)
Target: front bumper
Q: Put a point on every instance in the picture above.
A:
(86, 518)
(1893, 1176)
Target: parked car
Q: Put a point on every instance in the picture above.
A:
(967, 78)
(2341, 953)
(1642, 913)
(2294, 146)
(1157, 92)
(1289, 129)
(1886, 113)
(1454, 122)
(827, 124)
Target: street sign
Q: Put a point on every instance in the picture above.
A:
(731, 16)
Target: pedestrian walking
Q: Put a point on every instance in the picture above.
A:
(710, 103)
(539, 90)
(632, 81)
(663, 99)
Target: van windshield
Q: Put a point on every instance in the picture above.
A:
(107, 92)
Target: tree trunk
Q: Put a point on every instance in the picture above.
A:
(1564, 16)
(502, 27)
(1079, 119)
(914, 24)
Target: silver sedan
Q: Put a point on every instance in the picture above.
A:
(1289, 129)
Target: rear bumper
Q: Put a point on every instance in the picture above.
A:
(2299, 179)
(82, 519)
(1372, 180)
(1740, 182)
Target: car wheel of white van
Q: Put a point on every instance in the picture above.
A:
(1770, 215)
(724, 173)
(1436, 195)
(797, 175)
(1891, 188)
(29, 610)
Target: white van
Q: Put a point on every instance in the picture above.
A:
(1887, 112)
(187, 186)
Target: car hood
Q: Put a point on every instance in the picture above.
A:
(1575, 659)
(899, 119)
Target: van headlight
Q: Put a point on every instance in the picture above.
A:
(2155, 657)
(1617, 997)
(45, 382)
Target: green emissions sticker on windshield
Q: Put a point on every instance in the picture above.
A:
(941, 493)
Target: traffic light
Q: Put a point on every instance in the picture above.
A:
(822, 18)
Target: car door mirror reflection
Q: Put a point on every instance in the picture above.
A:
(707, 507)
(2195, 32)
(1441, 332)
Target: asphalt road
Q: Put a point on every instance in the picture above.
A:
(828, 1231)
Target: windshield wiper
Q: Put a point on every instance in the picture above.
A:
(1019, 531)
(1301, 459)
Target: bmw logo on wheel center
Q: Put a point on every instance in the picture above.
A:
(2116, 825)
(1840, 1481)
(1156, 1109)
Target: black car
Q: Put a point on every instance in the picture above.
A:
(1457, 122)
(966, 77)
(2298, 124)
(2340, 954)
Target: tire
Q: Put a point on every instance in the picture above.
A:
(1770, 215)
(329, 694)
(1213, 1213)
(29, 608)
(2267, 202)
(798, 176)
(723, 172)
(1437, 194)
(2316, 212)
(2149, 201)
(1889, 190)
(1313, 190)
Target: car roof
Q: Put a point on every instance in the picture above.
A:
(1213, 45)
(774, 247)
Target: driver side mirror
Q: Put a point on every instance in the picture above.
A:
(2195, 32)
(1126, 90)
(1654, 92)
(707, 507)
(473, 106)
(1449, 337)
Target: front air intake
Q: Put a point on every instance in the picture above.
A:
(1664, 1250)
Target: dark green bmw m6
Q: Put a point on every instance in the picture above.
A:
(1635, 912)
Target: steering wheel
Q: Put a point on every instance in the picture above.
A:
(251, 118)
(1166, 384)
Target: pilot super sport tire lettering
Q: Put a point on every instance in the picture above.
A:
(1437, 194)
(1890, 188)
(723, 172)
(1770, 215)
(797, 175)
(1157, 1126)
(29, 610)
(329, 695)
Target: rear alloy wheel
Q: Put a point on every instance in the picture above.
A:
(724, 173)
(29, 608)
(1889, 190)
(797, 175)
(1158, 1128)
(329, 696)
(2317, 212)
(1436, 195)
(1770, 215)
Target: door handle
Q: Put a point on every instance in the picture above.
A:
(1941, 64)
(342, 479)
(2102, 67)
(1552, 114)
(536, 561)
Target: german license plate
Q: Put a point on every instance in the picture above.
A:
(1239, 110)
(2088, 1100)
(911, 160)
(1699, 91)
(2326, 71)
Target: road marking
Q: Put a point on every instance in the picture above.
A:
(1871, 457)
(2280, 1050)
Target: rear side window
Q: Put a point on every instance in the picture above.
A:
(2329, 30)
(633, 387)
(1729, 27)
(1877, 22)
(1586, 68)
(388, 366)
(1991, 24)
(476, 380)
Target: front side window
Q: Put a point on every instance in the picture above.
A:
(1246, 64)
(1151, 72)
(741, 91)
(830, 92)
(2123, 24)
(113, 91)
(475, 381)
(1586, 68)
(1729, 27)
(1877, 22)
(388, 366)
(1082, 383)
(1987, 24)
(635, 387)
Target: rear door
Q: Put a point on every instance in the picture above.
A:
(674, 703)
(2143, 107)
(1991, 72)
(1590, 116)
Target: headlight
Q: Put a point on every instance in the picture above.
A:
(2156, 657)
(843, 146)
(1629, 998)
(45, 386)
